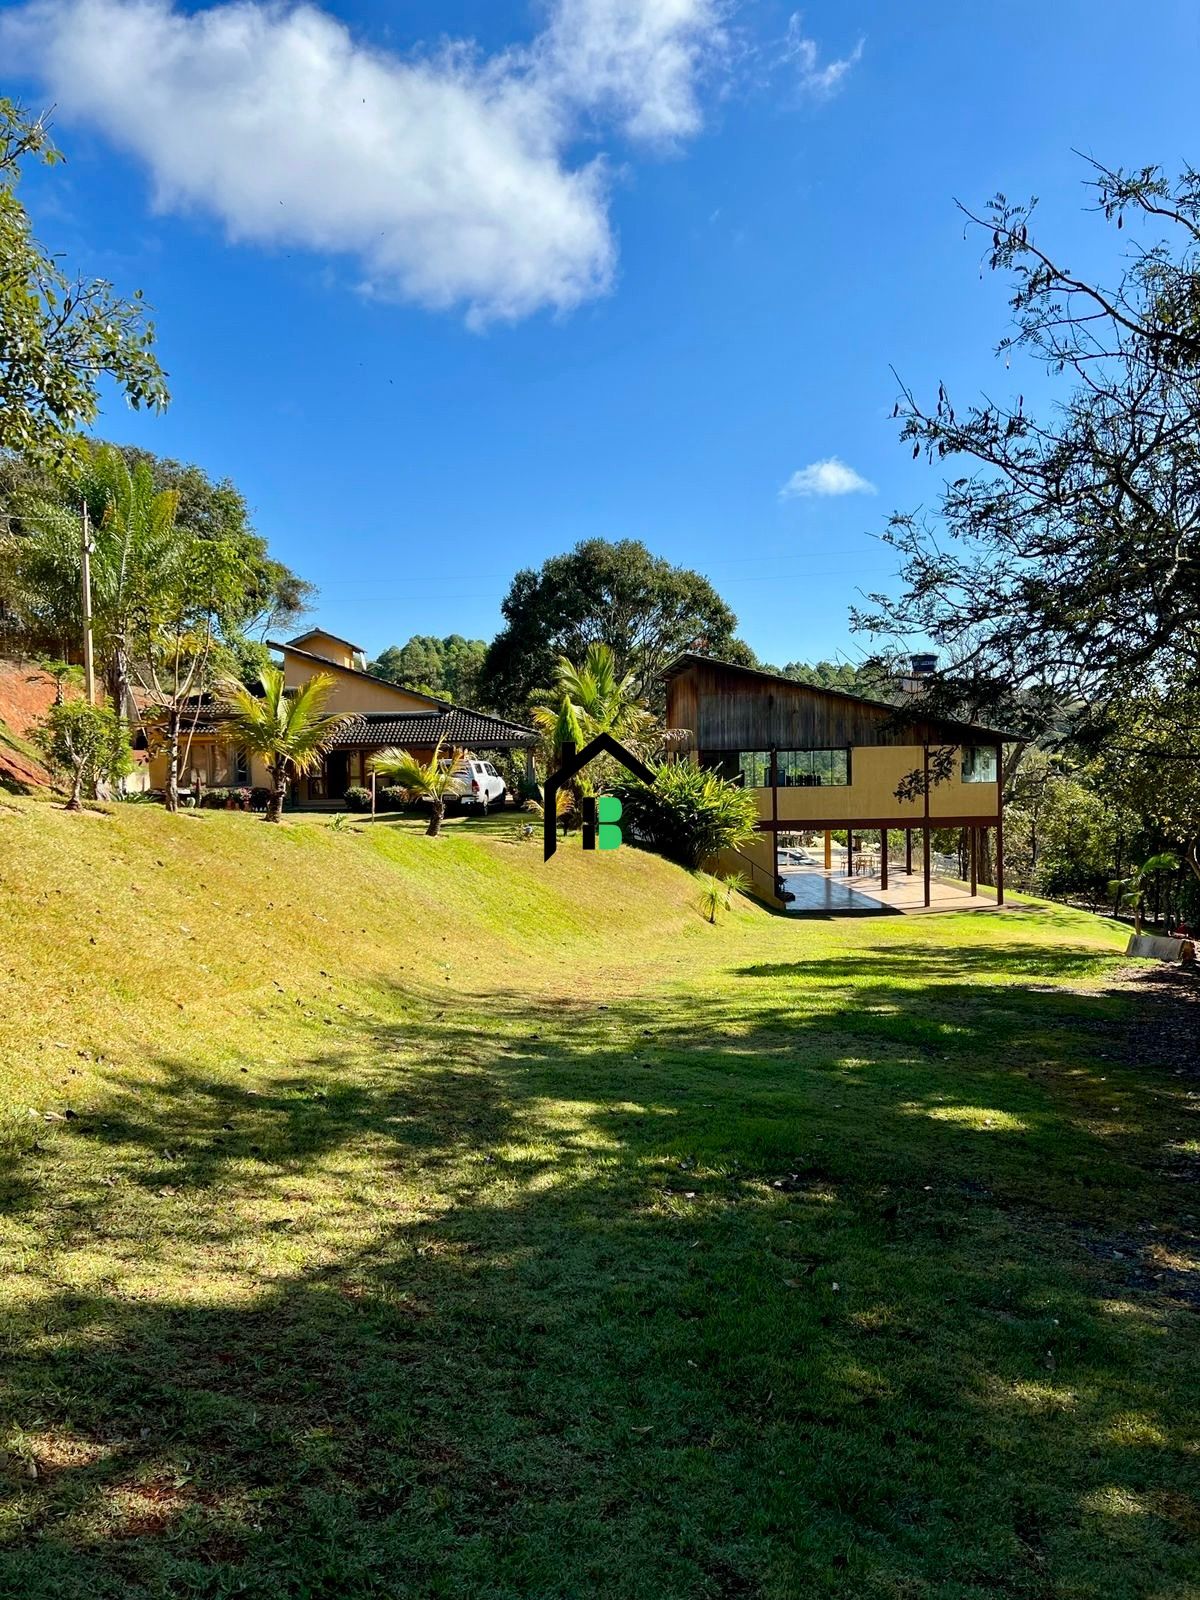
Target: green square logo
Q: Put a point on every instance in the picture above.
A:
(608, 815)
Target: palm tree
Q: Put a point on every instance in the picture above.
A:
(429, 780)
(593, 698)
(134, 539)
(589, 699)
(289, 730)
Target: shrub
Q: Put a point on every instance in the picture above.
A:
(214, 799)
(260, 798)
(85, 745)
(358, 798)
(717, 892)
(687, 814)
(391, 798)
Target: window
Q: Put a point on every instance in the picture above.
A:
(978, 764)
(814, 769)
(241, 767)
(756, 768)
(798, 769)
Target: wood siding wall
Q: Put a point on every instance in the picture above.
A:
(729, 710)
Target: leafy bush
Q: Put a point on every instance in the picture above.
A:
(391, 798)
(260, 798)
(85, 745)
(357, 798)
(687, 814)
(222, 799)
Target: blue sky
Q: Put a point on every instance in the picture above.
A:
(623, 269)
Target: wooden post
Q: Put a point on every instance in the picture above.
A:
(374, 780)
(999, 825)
(974, 848)
(828, 849)
(775, 819)
(908, 866)
(89, 658)
(883, 862)
(849, 852)
(926, 830)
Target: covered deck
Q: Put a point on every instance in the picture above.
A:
(817, 891)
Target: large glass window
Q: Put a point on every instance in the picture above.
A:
(755, 768)
(978, 764)
(798, 769)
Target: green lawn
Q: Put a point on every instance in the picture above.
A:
(395, 1217)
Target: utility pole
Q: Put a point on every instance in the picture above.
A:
(89, 660)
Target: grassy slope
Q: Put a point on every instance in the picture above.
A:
(395, 1217)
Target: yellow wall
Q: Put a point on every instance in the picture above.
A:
(329, 648)
(755, 860)
(212, 759)
(876, 771)
(351, 691)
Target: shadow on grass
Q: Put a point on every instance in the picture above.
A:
(861, 1292)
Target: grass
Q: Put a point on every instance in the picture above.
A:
(386, 1216)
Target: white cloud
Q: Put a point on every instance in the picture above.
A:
(639, 60)
(446, 176)
(804, 55)
(827, 477)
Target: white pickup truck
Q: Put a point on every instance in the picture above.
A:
(480, 785)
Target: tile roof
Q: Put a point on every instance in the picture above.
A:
(474, 730)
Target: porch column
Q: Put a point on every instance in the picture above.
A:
(883, 864)
(908, 866)
(974, 848)
(999, 824)
(849, 852)
(775, 820)
(926, 829)
(828, 849)
(530, 769)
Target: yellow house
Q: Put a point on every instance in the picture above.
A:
(380, 716)
(819, 759)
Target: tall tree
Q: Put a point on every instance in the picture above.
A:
(274, 596)
(1064, 558)
(446, 668)
(588, 699)
(867, 678)
(646, 610)
(174, 642)
(58, 336)
(126, 491)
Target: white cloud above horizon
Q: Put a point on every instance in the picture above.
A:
(829, 477)
(804, 55)
(447, 175)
